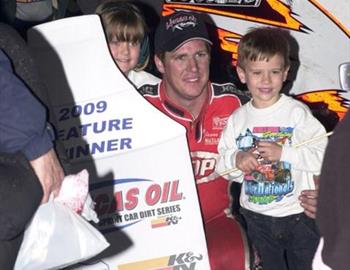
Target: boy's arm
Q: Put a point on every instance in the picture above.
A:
(228, 150)
(307, 157)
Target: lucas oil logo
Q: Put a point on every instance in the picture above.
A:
(133, 200)
(182, 261)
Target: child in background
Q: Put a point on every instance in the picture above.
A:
(126, 32)
(258, 140)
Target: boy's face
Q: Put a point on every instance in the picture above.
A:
(264, 79)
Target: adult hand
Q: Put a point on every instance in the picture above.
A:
(50, 173)
(308, 199)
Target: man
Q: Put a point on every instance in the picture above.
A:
(333, 216)
(23, 14)
(23, 128)
(23, 125)
(185, 94)
(182, 49)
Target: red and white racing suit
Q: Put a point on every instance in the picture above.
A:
(224, 238)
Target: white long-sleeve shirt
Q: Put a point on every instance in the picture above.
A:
(139, 78)
(273, 189)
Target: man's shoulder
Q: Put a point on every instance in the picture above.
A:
(230, 89)
(149, 89)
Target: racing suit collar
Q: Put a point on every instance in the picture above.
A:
(179, 111)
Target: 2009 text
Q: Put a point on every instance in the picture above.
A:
(75, 111)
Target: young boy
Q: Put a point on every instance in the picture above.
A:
(260, 140)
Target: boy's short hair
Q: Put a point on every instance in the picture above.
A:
(123, 21)
(262, 43)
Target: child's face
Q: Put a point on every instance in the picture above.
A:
(125, 54)
(264, 79)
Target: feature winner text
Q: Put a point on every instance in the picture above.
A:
(76, 132)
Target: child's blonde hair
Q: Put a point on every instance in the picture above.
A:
(262, 43)
(123, 21)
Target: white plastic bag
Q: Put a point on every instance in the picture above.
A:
(58, 237)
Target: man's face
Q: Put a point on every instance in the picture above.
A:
(186, 71)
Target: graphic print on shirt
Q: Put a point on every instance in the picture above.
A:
(272, 181)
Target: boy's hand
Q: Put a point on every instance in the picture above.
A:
(246, 162)
(270, 151)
